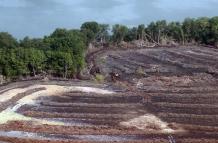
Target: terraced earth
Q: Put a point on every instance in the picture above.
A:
(164, 95)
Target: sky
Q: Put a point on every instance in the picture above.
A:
(36, 18)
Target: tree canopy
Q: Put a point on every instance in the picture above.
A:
(60, 54)
(7, 40)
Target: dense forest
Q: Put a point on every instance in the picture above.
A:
(62, 53)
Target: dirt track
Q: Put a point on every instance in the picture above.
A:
(174, 98)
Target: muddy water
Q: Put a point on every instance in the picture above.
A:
(57, 137)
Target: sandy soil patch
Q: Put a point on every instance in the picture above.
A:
(13, 92)
(149, 122)
(10, 113)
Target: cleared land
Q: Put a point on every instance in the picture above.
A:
(171, 96)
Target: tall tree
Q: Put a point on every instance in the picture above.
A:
(119, 32)
(7, 40)
(103, 34)
(60, 63)
(91, 30)
(35, 60)
(175, 32)
(201, 29)
(132, 34)
(71, 42)
(141, 31)
(157, 30)
(37, 43)
(188, 28)
(213, 37)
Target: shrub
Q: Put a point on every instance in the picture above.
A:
(99, 78)
(140, 71)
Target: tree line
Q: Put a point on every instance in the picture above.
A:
(202, 30)
(62, 53)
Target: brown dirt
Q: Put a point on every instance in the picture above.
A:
(177, 87)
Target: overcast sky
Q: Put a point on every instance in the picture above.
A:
(36, 18)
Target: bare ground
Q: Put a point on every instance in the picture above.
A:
(166, 95)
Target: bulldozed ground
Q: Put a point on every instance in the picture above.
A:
(162, 95)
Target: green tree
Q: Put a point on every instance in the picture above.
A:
(7, 40)
(34, 43)
(35, 60)
(132, 34)
(103, 34)
(119, 32)
(12, 63)
(157, 30)
(91, 30)
(201, 30)
(188, 28)
(175, 31)
(60, 63)
(70, 42)
(213, 37)
(141, 31)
